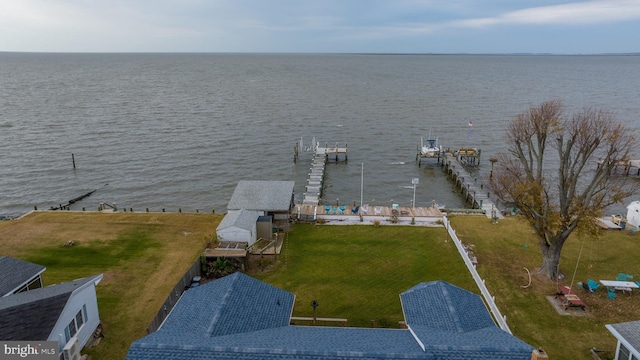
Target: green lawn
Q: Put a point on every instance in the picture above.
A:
(354, 272)
(358, 272)
(142, 257)
(505, 249)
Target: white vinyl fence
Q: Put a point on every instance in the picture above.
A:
(489, 300)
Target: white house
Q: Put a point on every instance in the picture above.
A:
(61, 313)
(239, 226)
(628, 335)
(633, 214)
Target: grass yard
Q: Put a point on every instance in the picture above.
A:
(354, 272)
(358, 272)
(142, 256)
(502, 256)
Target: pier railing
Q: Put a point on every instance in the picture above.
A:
(489, 300)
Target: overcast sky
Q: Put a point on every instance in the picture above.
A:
(353, 26)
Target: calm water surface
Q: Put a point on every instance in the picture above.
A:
(180, 130)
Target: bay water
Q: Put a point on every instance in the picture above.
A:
(178, 131)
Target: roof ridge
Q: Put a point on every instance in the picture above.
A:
(233, 278)
(455, 317)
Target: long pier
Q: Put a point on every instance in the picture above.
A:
(315, 180)
(480, 197)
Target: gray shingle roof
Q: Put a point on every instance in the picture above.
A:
(31, 315)
(206, 324)
(629, 331)
(243, 219)
(262, 195)
(14, 273)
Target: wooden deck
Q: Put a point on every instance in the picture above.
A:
(367, 211)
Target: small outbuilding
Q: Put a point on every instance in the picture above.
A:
(239, 226)
(633, 214)
(267, 197)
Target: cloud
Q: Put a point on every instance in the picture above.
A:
(291, 25)
(579, 13)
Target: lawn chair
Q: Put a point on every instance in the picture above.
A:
(355, 210)
(593, 285)
(611, 294)
(327, 209)
(342, 209)
(624, 277)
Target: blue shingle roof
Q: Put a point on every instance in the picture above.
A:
(238, 317)
(234, 304)
(442, 306)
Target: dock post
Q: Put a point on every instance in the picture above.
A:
(73, 159)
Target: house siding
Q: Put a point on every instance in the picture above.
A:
(84, 296)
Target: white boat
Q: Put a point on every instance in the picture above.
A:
(431, 149)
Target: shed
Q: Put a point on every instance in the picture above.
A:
(269, 197)
(265, 227)
(633, 214)
(238, 226)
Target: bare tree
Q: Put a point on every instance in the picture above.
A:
(563, 190)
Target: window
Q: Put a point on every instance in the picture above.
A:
(72, 328)
(79, 320)
(623, 353)
(76, 323)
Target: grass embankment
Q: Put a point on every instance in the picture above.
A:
(502, 256)
(142, 257)
(358, 272)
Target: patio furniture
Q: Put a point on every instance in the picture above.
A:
(327, 209)
(592, 285)
(623, 277)
(611, 294)
(569, 299)
(619, 285)
(342, 209)
(355, 210)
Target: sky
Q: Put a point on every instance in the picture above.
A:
(321, 26)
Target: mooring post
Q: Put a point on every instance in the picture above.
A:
(73, 159)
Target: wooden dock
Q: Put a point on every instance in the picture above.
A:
(315, 180)
(626, 168)
(476, 194)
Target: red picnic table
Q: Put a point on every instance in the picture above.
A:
(569, 299)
